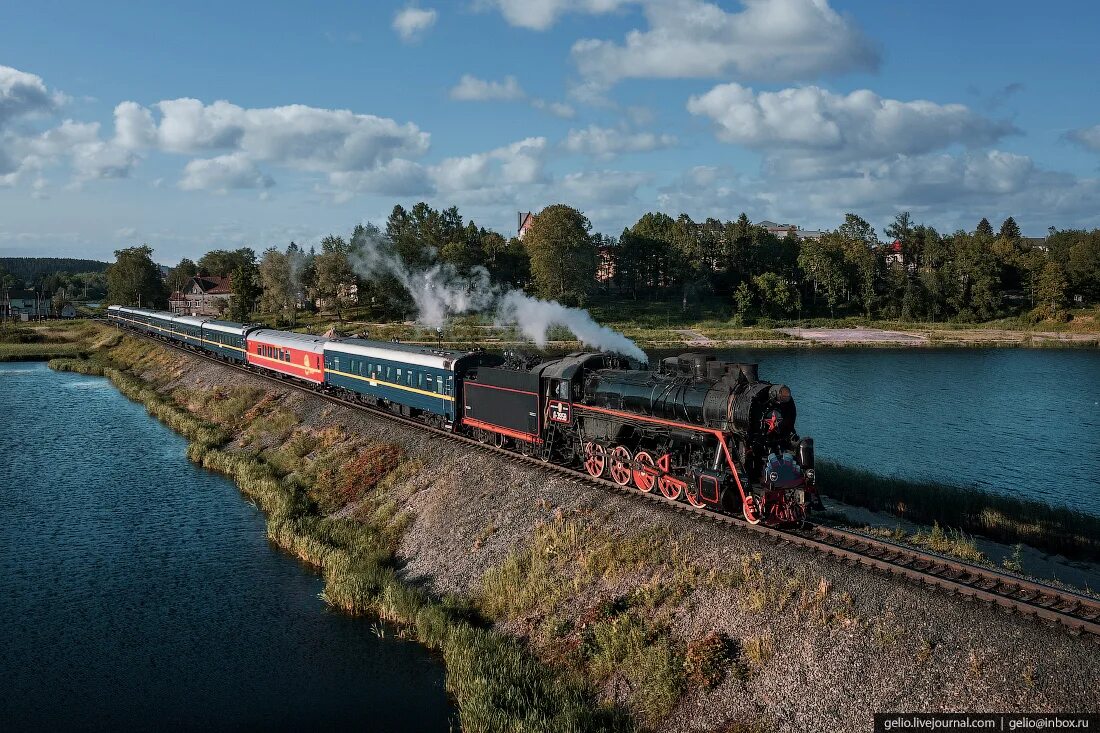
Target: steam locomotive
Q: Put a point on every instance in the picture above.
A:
(695, 429)
(698, 429)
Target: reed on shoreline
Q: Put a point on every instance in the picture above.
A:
(996, 516)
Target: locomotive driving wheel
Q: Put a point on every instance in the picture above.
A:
(620, 465)
(646, 475)
(670, 487)
(752, 510)
(595, 459)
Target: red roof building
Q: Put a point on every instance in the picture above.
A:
(204, 295)
(525, 219)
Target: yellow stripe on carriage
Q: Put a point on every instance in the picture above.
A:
(375, 380)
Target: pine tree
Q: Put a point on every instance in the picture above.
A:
(1010, 230)
(985, 229)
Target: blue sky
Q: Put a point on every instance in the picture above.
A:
(228, 124)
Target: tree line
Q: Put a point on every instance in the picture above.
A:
(914, 274)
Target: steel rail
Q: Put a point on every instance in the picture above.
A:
(1074, 611)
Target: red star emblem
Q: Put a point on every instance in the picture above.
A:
(772, 422)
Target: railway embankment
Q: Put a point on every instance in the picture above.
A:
(558, 606)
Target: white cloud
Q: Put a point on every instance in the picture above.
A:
(23, 94)
(412, 23)
(558, 109)
(541, 14)
(604, 142)
(768, 39)
(294, 136)
(398, 177)
(605, 187)
(518, 163)
(816, 124)
(472, 89)
(1086, 137)
(223, 173)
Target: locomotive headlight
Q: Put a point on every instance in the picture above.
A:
(773, 476)
(811, 475)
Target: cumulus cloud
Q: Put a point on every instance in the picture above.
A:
(767, 39)
(605, 187)
(472, 89)
(805, 130)
(411, 23)
(295, 136)
(23, 94)
(518, 163)
(1086, 137)
(541, 14)
(604, 142)
(558, 109)
(223, 173)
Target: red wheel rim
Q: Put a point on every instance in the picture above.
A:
(620, 465)
(693, 498)
(647, 475)
(595, 459)
(670, 487)
(752, 512)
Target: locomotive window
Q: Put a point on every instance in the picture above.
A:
(563, 389)
(420, 380)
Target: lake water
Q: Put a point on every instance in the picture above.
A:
(1021, 421)
(139, 592)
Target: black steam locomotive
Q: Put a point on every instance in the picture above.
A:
(696, 428)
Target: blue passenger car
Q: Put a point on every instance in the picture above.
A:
(226, 339)
(417, 379)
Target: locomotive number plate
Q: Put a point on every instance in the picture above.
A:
(559, 412)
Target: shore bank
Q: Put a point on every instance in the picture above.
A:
(545, 595)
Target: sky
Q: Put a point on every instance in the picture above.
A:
(208, 125)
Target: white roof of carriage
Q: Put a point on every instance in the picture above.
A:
(407, 353)
(289, 340)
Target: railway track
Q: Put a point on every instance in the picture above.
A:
(1076, 612)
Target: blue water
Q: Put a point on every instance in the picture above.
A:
(139, 592)
(1023, 422)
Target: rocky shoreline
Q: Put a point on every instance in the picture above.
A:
(597, 584)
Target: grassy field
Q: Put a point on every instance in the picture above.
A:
(658, 324)
(38, 341)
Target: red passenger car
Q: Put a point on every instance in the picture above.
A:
(297, 354)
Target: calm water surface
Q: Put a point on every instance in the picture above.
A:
(139, 592)
(1020, 421)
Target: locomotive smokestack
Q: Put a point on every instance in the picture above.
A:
(751, 371)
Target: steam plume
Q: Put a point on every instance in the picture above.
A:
(440, 292)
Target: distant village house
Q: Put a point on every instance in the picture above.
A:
(204, 295)
(783, 230)
(525, 220)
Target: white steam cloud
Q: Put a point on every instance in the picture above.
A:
(440, 292)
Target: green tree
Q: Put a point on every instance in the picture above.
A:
(1083, 265)
(1010, 229)
(181, 273)
(974, 274)
(506, 260)
(245, 281)
(134, 279)
(985, 229)
(222, 262)
(823, 262)
(279, 294)
(1051, 295)
(642, 264)
(778, 296)
(742, 300)
(335, 281)
(563, 256)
